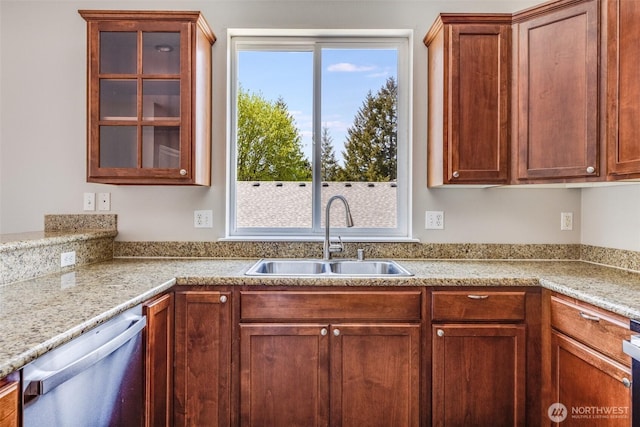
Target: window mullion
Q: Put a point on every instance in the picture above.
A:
(317, 143)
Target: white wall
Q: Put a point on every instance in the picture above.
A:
(611, 217)
(43, 113)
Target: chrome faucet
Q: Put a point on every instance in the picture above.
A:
(329, 247)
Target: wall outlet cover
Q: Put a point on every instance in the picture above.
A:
(104, 201)
(203, 219)
(67, 259)
(434, 220)
(566, 221)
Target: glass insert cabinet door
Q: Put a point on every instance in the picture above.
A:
(140, 95)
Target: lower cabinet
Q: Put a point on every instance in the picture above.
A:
(592, 388)
(321, 374)
(590, 376)
(158, 361)
(9, 414)
(479, 374)
(311, 358)
(479, 363)
(202, 358)
(407, 357)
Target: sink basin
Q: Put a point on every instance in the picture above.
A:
(282, 267)
(310, 267)
(368, 268)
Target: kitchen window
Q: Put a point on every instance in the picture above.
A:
(313, 115)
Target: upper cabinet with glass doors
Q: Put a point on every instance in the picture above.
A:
(149, 97)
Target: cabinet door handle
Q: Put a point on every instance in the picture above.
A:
(183, 172)
(223, 299)
(478, 296)
(336, 332)
(626, 382)
(440, 332)
(591, 169)
(456, 174)
(589, 317)
(323, 331)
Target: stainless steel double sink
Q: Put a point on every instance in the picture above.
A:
(318, 267)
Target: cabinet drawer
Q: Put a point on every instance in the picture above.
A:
(597, 328)
(478, 305)
(310, 305)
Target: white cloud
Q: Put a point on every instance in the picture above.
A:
(346, 67)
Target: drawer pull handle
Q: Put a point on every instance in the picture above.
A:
(478, 296)
(626, 382)
(589, 317)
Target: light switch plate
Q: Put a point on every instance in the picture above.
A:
(89, 202)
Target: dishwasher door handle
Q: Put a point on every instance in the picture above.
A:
(51, 379)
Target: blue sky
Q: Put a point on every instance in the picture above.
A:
(347, 76)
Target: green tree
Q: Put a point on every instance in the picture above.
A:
(371, 147)
(268, 142)
(330, 166)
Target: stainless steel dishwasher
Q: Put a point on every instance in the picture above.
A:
(95, 380)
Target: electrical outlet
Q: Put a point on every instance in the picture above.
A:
(67, 259)
(203, 219)
(566, 221)
(89, 203)
(434, 220)
(104, 201)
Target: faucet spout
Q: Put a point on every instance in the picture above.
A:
(328, 247)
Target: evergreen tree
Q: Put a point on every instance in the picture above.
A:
(370, 150)
(269, 145)
(330, 166)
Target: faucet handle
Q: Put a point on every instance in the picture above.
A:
(336, 247)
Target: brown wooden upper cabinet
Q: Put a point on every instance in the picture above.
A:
(622, 18)
(549, 94)
(557, 92)
(148, 97)
(469, 69)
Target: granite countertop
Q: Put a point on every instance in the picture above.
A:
(40, 314)
(15, 241)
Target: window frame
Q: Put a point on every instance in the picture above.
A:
(315, 41)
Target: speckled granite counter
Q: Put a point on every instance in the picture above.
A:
(27, 255)
(39, 314)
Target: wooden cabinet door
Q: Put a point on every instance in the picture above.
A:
(479, 94)
(469, 83)
(375, 371)
(589, 385)
(478, 374)
(558, 94)
(623, 88)
(9, 413)
(202, 358)
(158, 361)
(284, 375)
